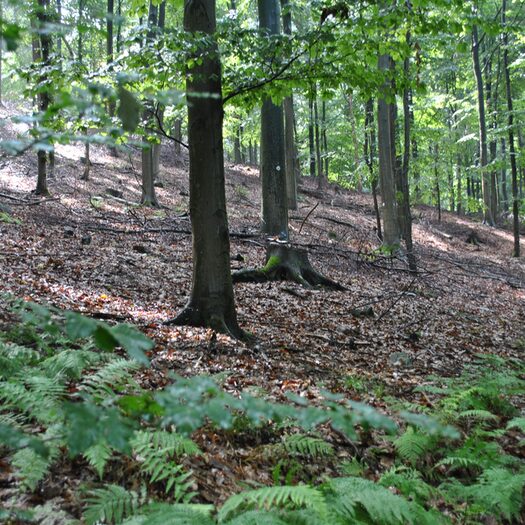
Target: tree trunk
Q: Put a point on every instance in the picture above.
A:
(351, 117)
(177, 131)
(237, 146)
(512, 152)
(311, 139)
(45, 44)
(119, 26)
(483, 153)
(211, 302)
(273, 165)
(386, 143)
(436, 180)
(149, 197)
(504, 192)
(319, 162)
(80, 52)
(324, 138)
(284, 262)
(370, 151)
(405, 190)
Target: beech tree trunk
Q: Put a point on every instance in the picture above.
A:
(370, 152)
(273, 164)
(311, 139)
(483, 153)
(512, 152)
(211, 302)
(386, 144)
(44, 51)
(351, 117)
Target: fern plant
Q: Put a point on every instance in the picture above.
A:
(111, 504)
(156, 451)
(412, 445)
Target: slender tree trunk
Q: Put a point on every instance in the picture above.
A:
(386, 143)
(485, 177)
(351, 116)
(177, 131)
(237, 146)
(370, 152)
(149, 197)
(318, 158)
(59, 22)
(162, 14)
(273, 170)
(80, 52)
(504, 192)
(405, 189)
(212, 301)
(44, 51)
(436, 180)
(512, 152)
(119, 26)
(311, 136)
(325, 140)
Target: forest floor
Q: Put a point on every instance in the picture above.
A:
(85, 250)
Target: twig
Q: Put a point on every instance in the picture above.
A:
(306, 218)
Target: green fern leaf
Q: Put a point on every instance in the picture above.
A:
(179, 514)
(413, 445)
(300, 445)
(97, 456)
(258, 517)
(517, 422)
(110, 505)
(361, 499)
(274, 497)
(31, 468)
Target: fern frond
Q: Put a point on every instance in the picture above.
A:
(13, 358)
(97, 456)
(300, 445)
(413, 445)
(478, 415)
(517, 422)
(352, 499)
(113, 377)
(269, 498)
(409, 482)
(30, 467)
(258, 517)
(460, 462)
(178, 514)
(110, 505)
(171, 443)
(71, 363)
(498, 492)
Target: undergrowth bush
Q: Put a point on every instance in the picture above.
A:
(70, 390)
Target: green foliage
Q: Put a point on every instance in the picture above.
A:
(97, 456)
(300, 445)
(110, 505)
(412, 445)
(273, 498)
(362, 500)
(178, 514)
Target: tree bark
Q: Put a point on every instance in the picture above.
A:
(318, 159)
(273, 164)
(483, 153)
(504, 192)
(311, 139)
(351, 117)
(386, 143)
(44, 51)
(212, 301)
(370, 152)
(512, 152)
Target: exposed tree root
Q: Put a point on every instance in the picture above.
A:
(286, 263)
(192, 315)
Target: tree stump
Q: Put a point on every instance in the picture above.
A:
(286, 263)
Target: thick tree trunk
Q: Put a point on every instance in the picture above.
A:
(273, 164)
(512, 152)
(386, 143)
(483, 153)
(285, 262)
(211, 302)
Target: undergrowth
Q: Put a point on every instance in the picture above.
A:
(70, 391)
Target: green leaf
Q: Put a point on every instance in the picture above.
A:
(129, 109)
(133, 341)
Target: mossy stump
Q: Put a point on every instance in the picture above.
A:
(286, 263)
